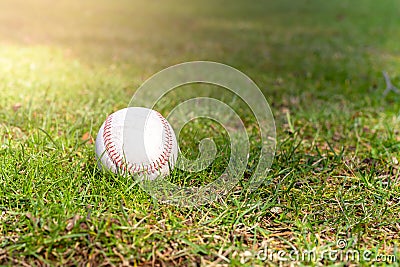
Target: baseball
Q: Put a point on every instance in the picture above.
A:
(138, 141)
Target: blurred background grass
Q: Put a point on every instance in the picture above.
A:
(262, 35)
(287, 47)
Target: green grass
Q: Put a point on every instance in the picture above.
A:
(65, 65)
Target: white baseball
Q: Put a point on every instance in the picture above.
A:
(138, 141)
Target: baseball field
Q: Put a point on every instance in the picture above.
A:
(331, 196)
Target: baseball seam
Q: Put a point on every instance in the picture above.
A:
(134, 168)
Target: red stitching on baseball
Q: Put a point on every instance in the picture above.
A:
(134, 168)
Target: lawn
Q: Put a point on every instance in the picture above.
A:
(334, 185)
